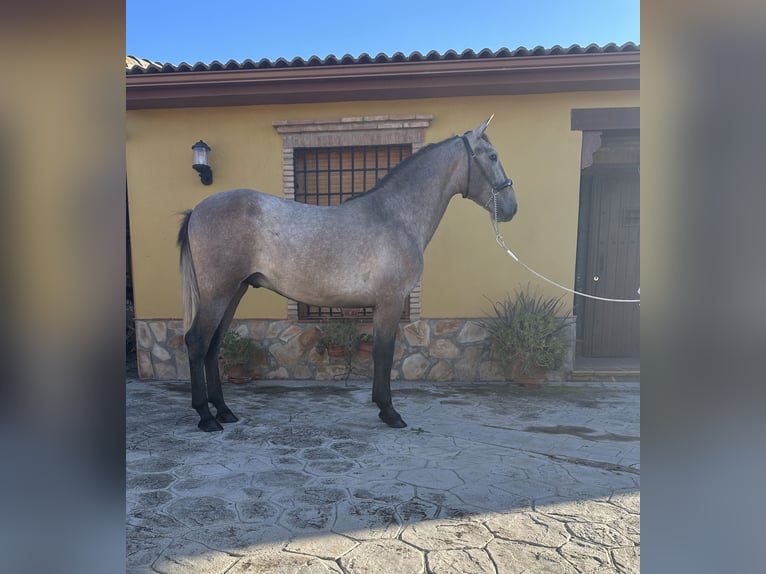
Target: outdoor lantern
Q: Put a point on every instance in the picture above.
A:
(200, 150)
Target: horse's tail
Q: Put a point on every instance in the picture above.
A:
(188, 275)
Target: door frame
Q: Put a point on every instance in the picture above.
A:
(593, 123)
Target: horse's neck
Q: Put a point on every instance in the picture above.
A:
(430, 185)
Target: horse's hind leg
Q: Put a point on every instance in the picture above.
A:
(214, 391)
(198, 341)
(386, 322)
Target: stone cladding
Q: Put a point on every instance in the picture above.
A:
(426, 349)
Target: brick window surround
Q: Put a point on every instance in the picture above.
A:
(350, 131)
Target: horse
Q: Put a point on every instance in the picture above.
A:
(365, 252)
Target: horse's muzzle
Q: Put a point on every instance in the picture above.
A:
(506, 213)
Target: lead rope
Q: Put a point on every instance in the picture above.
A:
(501, 242)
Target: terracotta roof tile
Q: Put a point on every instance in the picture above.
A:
(134, 65)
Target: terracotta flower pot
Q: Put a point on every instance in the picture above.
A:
(336, 351)
(532, 378)
(239, 375)
(365, 349)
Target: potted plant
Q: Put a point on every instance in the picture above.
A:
(528, 335)
(339, 338)
(364, 345)
(238, 357)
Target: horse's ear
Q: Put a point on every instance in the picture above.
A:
(478, 132)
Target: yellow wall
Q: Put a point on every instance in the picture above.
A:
(463, 264)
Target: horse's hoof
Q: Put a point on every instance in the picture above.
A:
(226, 417)
(209, 425)
(392, 419)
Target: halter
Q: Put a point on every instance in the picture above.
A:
(495, 189)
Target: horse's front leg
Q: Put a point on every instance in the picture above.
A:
(386, 322)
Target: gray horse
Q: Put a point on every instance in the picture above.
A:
(244, 238)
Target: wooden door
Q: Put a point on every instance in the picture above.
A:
(612, 263)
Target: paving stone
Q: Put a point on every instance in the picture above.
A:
(446, 534)
(351, 448)
(150, 481)
(280, 477)
(329, 546)
(520, 558)
(431, 477)
(150, 524)
(629, 501)
(530, 528)
(378, 556)
(366, 520)
(240, 539)
(588, 557)
(416, 510)
(153, 498)
(388, 492)
(257, 511)
(628, 560)
(329, 467)
(270, 561)
(201, 511)
(463, 561)
(320, 453)
(141, 552)
(184, 556)
(489, 498)
(309, 518)
(598, 534)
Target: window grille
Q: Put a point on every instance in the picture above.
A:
(331, 175)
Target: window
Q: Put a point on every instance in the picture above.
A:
(325, 162)
(329, 176)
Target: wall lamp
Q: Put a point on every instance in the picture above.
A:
(200, 150)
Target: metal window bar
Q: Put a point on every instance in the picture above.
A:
(329, 176)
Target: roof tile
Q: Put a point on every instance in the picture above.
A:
(134, 65)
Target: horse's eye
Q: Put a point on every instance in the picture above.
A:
(493, 156)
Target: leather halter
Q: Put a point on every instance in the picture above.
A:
(472, 156)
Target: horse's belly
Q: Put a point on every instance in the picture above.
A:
(320, 287)
(317, 293)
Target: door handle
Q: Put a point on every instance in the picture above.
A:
(600, 268)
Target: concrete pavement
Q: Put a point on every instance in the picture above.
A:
(488, 478)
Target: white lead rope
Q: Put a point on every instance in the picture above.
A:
(501, 243)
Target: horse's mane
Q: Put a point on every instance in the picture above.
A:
(401, 166)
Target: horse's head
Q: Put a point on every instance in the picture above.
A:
(488, 185)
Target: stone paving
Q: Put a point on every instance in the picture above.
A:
(488, 478)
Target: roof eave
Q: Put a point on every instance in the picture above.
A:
(402, 80)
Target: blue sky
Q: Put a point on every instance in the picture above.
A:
(173, 31)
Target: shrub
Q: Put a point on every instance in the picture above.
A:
(527, 332)
(238, 351)
(342, 332)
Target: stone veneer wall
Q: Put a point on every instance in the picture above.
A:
(427, 349)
